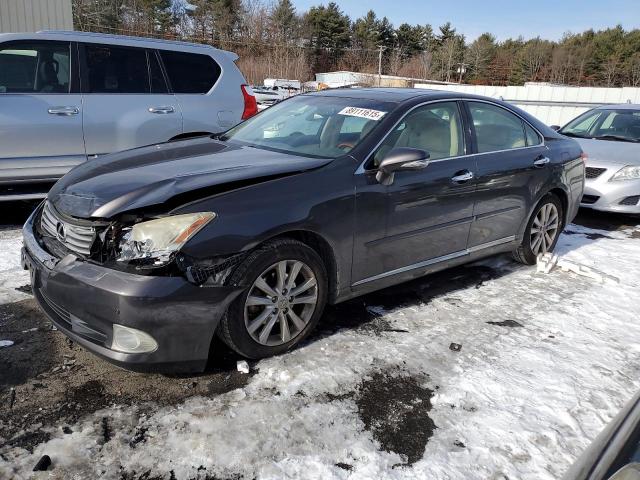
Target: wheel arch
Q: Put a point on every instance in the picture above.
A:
(564, 200)
(559, 192)
(323, 248)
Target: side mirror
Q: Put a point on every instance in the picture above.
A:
(555, 127)
(401, 158)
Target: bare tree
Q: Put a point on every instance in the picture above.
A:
(634, 70)
(610, 70)
(534, 56)
(450, 53)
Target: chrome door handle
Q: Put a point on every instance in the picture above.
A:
(161, 110)
(64, 111)
(463, 177)
(541, 162)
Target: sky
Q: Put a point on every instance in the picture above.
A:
(549, 19)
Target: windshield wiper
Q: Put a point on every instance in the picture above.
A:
(618, 138)
(570, 134)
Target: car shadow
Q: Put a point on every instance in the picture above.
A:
(607, 221)
(14, 214)
(366, 313)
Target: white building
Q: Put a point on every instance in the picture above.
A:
(34, 15)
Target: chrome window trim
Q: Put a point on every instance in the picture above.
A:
(515, 115)
(433, 261)
(361, 170)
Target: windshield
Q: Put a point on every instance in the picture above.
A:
(607, 124)
(311, 125)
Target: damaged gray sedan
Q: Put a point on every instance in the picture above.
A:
(143, 256)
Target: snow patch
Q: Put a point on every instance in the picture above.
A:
(514, 402)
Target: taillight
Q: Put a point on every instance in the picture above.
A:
(250, 104)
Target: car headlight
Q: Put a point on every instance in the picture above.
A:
(630, 172)
(156, 240)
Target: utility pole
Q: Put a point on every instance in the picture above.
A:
(380, 65)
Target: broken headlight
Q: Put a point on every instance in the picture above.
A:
(155, 241)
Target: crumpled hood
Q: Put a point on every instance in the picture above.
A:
(610, 152)
(152, 175)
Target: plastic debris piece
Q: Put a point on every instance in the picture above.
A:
(547, 262)
(5, 343)
(242, 366)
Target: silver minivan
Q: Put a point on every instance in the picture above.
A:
(66, 97)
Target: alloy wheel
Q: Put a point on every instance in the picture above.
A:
(545, 228)
(281, 302)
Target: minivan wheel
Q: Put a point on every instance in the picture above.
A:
(542, 232)
(284, 299)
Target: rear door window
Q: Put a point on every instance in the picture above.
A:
(496, 128)
(35, 67)
(190, 72)
(533, 137)
(116, 70)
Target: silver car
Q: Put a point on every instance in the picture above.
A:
(610, 136)
(66, 97)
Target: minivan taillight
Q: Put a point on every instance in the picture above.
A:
(250, 104)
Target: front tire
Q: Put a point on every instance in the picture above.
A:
(286, 293)
(543, 230)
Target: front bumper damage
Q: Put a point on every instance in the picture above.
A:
(84, 300)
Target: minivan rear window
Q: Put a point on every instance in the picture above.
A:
(190, 72)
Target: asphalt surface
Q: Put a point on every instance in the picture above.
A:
(47, 381)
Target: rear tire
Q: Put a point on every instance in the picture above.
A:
(543, 230)
(285, 296)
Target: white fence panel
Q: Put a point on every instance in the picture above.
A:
(552, 104)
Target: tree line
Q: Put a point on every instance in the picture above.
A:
(275, 40)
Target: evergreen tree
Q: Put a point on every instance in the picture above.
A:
(284, 21)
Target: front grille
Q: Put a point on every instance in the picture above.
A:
(589, 199)
(630, 200)
(593, 172)
(77, 238)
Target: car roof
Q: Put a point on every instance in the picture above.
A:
(91, 37)
(398, 95)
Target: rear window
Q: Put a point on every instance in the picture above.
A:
(190, 72)
(116, 69)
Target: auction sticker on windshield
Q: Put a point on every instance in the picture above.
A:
(362, 112)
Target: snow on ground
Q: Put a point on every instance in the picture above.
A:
(11, 273)
(521, 399)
